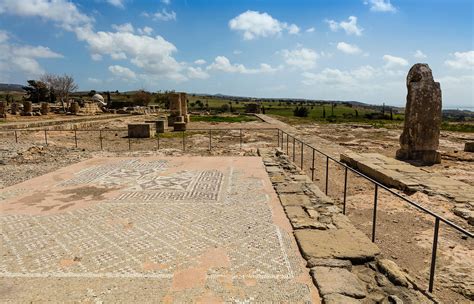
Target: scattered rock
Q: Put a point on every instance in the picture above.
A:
(329, 263)
(393, 272)
(337, 281)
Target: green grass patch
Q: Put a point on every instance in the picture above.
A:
(219, 118)
(458, 127)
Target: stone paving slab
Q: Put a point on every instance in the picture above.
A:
(190, 229)
(401, 175)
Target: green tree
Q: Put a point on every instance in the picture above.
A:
(37, 91)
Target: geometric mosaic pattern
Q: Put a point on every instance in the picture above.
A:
(165, 220)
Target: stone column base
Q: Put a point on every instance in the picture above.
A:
(424, 157)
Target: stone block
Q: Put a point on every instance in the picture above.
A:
(294, 200)
(469, 146)
(340, 299)
(347, 243)
(27, 107)
(140, 130)
(338, 281)
(329, 263)
(179, 126)
(290, 188)
(44, 110)
(393, 272)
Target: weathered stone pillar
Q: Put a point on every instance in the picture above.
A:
(140, 130)
(3, 109)
(75, 108)
(420, 138)
(175, 104)
(184, 106)
(14, 108)
(44, 108)
(27, 107)
(160, 126)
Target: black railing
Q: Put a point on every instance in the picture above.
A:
(281, 144)
(377, 185)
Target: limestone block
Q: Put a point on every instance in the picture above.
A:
(469, 146)
(75, 108)
(175, 104)
(27, 107)
(347, 243)
(140, 130)
(14, 108)
(420, 137)
(179, 126)
(44, 108)
(294, 200)
(393, 272)
(338, 281)
(160, 126)
(3, 108)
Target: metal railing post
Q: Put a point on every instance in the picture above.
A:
(184, 142)
(327, 174)
(302, 150)
(46, 137)
(294, 148)
(374, 217)
(100, 137)
(16, 137)
(210, 140)
(129, 144)
(345, 191)
(433, 255)
(240, 139)
(75, 137)
(158, 141)
(312, 167)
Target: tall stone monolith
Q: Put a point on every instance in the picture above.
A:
(3, 109)
(420, 138)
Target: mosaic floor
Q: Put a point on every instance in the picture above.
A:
(190, 229)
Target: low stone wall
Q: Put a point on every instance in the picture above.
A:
(345, 265)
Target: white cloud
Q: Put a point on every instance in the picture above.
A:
(121, 72)
(200, 62)
(197, 73)
(310, 30)
(419, 55)
(62, 12)
(153, 55)
(461, 60)
(117, 3)
(348, 48)
(222, 63)
(339, 78)
(302, 58)
(237, 52)
(126, 28)
(253, 24)
(145, 30)
(22, 59)
(164, 15)
(381, 6)
(394, 62)
(94, 80)
(350, 26)
(167, 2)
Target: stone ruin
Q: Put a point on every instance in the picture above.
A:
(420, 138)
(179, 116)
(3, 109)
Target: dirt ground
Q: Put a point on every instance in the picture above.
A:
(405, 235)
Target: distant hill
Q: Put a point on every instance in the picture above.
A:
(11, 87)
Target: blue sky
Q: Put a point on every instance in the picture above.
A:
(339, 50)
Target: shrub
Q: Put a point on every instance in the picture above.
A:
(141, 98)
(301, 112)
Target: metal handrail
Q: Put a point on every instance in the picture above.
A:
(438, 218)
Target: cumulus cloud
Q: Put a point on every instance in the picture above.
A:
(340, 78)
(253, 24)
(200, 62)
(350, 26)
(381, 6)
(394, 62)
(197, 73)
(145, 30)
(117, 3)
(302, 58)
(310, 30)
(222, 63)
(164, 15)
(123, 73)
(126, 27)
(22, 58)
(461, 60)
(419, 55)
(153, 55)
(62, 12)
(348, 48)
